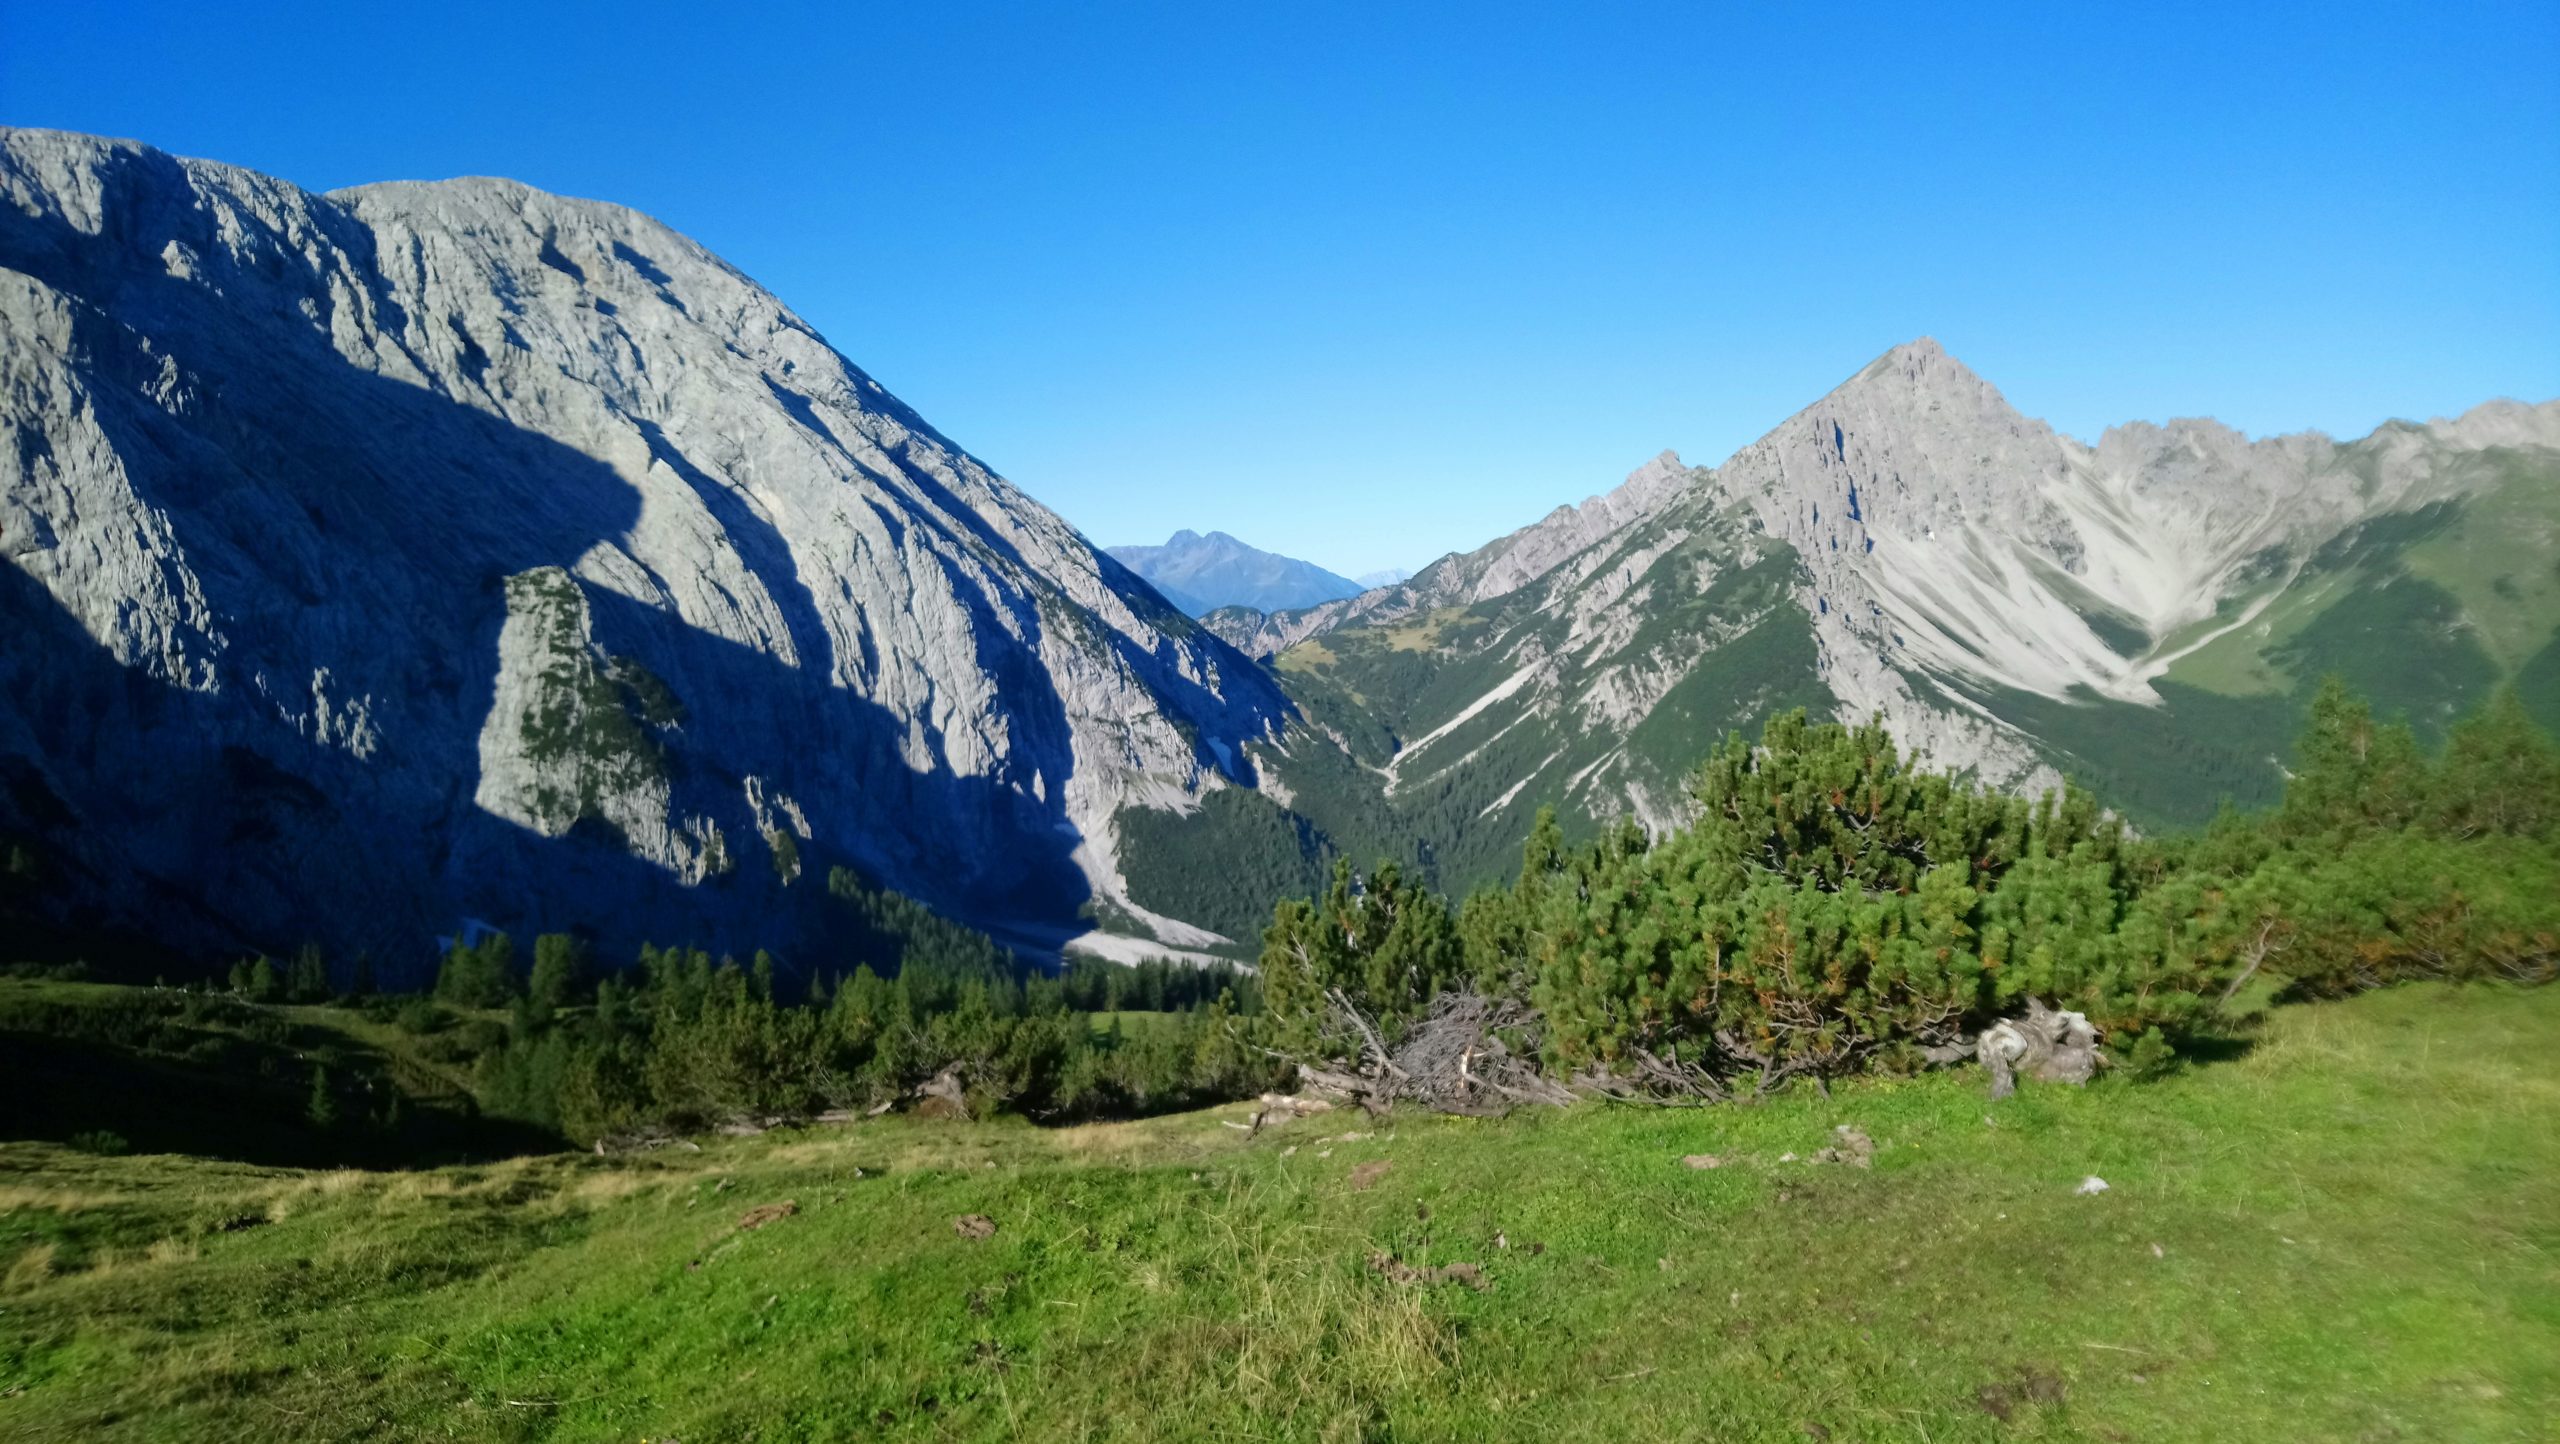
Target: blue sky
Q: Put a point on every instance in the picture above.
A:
(1368, 283)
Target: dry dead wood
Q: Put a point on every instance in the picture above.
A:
(1453, 1059)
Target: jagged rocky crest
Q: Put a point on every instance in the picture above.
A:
(2140, 612)
(438, 549)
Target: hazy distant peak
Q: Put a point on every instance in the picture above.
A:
(1201, 574)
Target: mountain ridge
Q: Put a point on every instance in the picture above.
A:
(1207, 573)
(325, 477)
(2144, 613)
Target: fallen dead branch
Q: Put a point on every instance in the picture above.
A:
(1458, 1057)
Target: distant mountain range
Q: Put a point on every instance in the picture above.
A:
(2145, 614)
(428, 551)
(1387, 578)
(1201, 574)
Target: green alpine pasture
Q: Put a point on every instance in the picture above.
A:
(2344, 1226)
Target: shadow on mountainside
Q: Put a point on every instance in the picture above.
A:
(365, 527)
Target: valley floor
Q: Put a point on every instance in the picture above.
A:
(2350, 1230)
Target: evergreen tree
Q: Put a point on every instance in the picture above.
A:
(1388, 945)
(307, 979)
(2500, 775)
(559, 976)
(323, 1109)
(265, 984)
(2352, 774)
(479, 977)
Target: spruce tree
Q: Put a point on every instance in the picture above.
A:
(307, 979)
(559, 969)
(323, 1111)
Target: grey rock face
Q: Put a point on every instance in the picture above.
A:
(1201, 574)
(1947, 537)
(1947, 550)
(430, 549)
(1496, 569)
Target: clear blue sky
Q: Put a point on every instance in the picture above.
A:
(1366, 283)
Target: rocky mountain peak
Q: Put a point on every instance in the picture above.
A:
(462, 549)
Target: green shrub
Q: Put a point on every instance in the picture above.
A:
(420, 1017)
(1835, 907)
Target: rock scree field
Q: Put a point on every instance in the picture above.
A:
(2343, 1225)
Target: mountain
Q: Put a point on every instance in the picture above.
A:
(1202, 574)
(1387, 578)
(2145, 614)
(425, 551)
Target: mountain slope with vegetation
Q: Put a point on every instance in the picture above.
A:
(2320, 1115)
(2149, 616)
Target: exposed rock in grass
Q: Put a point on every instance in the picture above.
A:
(769, 1213)
(1401, 1272)
(1852, 1147)
(1278, 1108)
(974, 1226)
(943, 1097)
(1703, 1160)
(2046, 1045)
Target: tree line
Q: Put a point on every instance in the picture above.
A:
(682, 1041)
(1837, 907)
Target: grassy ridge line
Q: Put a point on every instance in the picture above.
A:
(2357, 1225)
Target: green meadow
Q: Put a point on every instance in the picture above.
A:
(2342, 1223)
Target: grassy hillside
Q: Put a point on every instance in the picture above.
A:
(162, 1070)
(2425, 613)
(2346, 1230)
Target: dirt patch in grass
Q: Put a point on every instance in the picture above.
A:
(1471, 1275)
(2032, 1386)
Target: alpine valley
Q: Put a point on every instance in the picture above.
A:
(425, 552)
